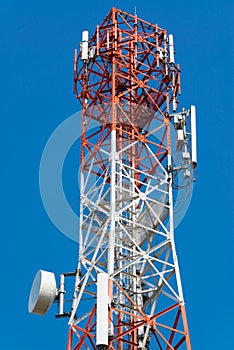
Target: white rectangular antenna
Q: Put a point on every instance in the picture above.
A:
(180, 139)
(171, 49)
(85, 39)
(102, 310)
(193, 136)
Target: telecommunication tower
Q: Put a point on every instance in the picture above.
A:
(137, 152)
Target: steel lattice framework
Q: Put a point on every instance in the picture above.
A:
(128, 89)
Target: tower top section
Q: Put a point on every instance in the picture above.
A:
(127, 60)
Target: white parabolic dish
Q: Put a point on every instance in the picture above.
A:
(43, 293)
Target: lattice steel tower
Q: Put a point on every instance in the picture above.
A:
(137, 153)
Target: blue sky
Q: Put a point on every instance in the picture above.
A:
(36, 44)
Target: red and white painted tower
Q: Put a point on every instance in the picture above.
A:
(135, 145)
(128, 84)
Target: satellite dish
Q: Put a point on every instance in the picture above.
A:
(43, 293)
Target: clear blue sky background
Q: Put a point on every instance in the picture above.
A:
(36, 54)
